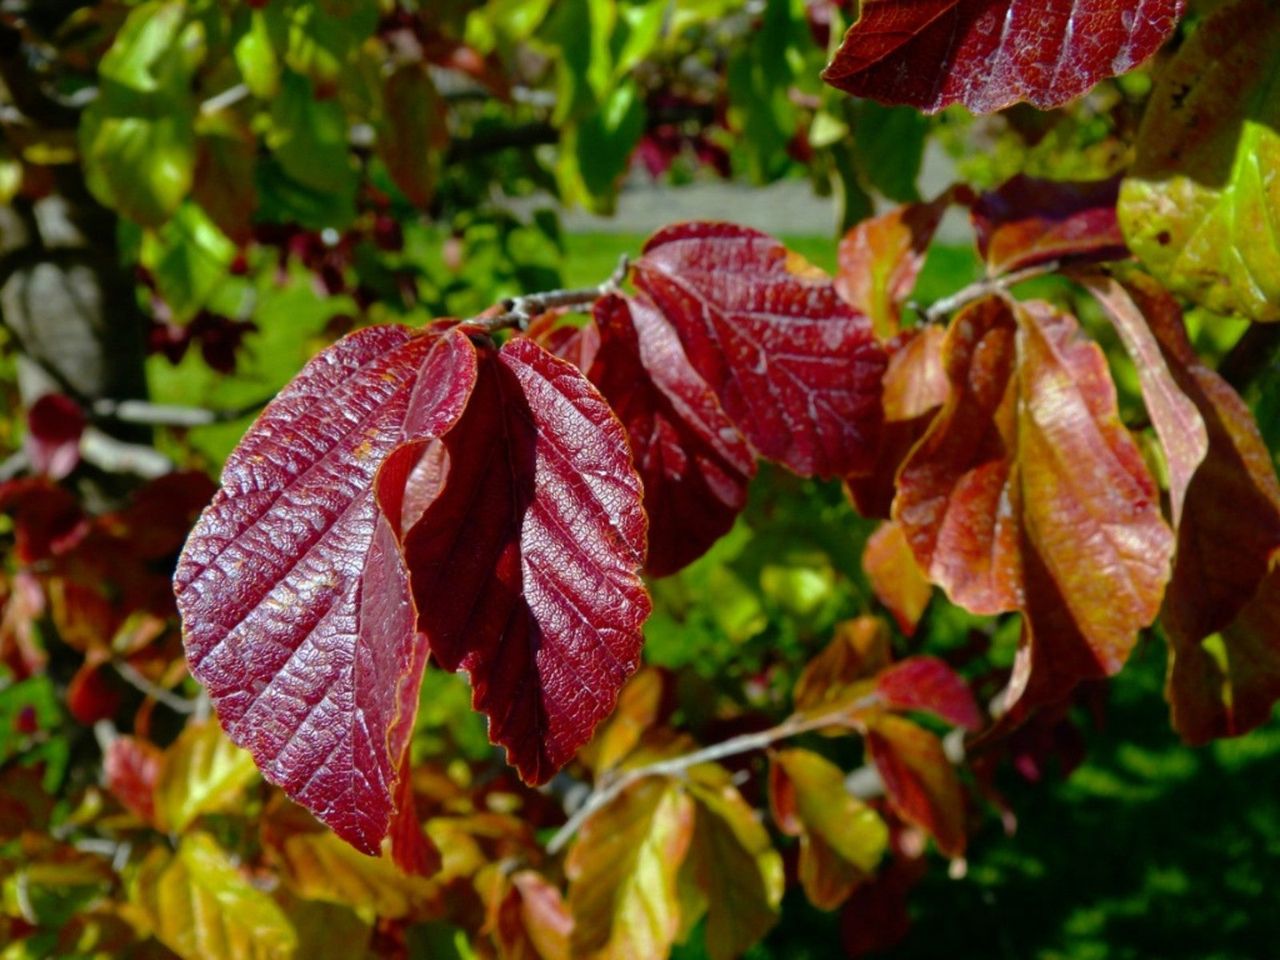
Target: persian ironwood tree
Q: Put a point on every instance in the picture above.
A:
(509, 491)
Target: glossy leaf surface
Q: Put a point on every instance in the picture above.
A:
(990, 54)
(295, 600)
(525, 566)
(1202, 202)
(794, 367)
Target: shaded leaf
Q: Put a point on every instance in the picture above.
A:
(201, 908)
(639, 706)
(295, 602)
(54, 425)
(732, 866)
(957, 492)
(841, 839)
(895, 577)
(201, 771)
(795, 368)
(919, 780)
(525, 915)
(1026, 221)
(693, 462)
(412, 135)
(623, 870)
(226, 155)
(880, 259)
(1179, 426)
(859, 650)
(990, 54)
(526, 564)
(1201, 205)
(927, 684)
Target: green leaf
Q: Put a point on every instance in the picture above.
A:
(623, 872)
(1202, 205)
(594, 155)
(202, 771)
(138, 138)
(255, 51)
(320, 43)
(202, 908)
(189, 257)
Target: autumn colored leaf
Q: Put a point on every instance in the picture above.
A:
(1221, 609)
(1201, 203)
(412, 135)
(200, 772)
(54, 425)
(990, 54)
(320, 866)
(1027, 221)
(95, 692)
(957, 499)
(841, 839)
(732, 873)
(525, 915)
(223, 185)
(794, 367)
(881, 257)
(927, 684)
(859, 650)
(694, 463)
(525, 566)
(875, 918)
(130, 767)
(623, 872)
(895, 576)
(920, 782)
(639, 706)
(915, 386)
(1179, 426)
(295, 601)
(202, 908)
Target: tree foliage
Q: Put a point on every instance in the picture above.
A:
(679, 528)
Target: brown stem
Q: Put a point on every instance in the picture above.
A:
(518, 312)
(985, 288)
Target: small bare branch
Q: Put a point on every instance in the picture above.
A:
(518, 312)
(985, 288)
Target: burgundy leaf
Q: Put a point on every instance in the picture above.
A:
(294, 596)
(928, 684)
(54, 425)
(525, 566)
(794, 366)
(990, 54)
(694, 463)
(1027, 221)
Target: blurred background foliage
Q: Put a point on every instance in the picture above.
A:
(274, 174)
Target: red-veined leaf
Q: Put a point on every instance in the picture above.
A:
(1027, 221)
(1179, 426)
(990, 54)
(525, 566)
(919, 780)
(623, 871)
(928, 684)
(295, 600)
(795, 367)
(841, 838)
(957, 492)
(694, 463)
(881, 258)
(895, 577)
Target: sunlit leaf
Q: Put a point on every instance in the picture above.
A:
(295, 601)
(841, 838)
(795, 368)
(927, 684)
(202, 908)
(989, 55)
(623, 870)
(895, 576)
(1201, 205)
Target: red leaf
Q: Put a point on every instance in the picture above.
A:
(694, 463)
(881, 258)
(796, 368)
(1026, 221)
(928, 684)
(130, 767)
(294, 596)
(94, 693)
(525, 566)
(990, 54)
(957, 498)
(919, 780)
(47, 519)
(54, 425)
(411, 848)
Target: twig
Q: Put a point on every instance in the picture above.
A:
(519, 311)
(139, 682)
(166, 415)
(984, 288)
(227, 98)
(608, 789)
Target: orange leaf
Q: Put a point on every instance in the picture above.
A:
(895, 576)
